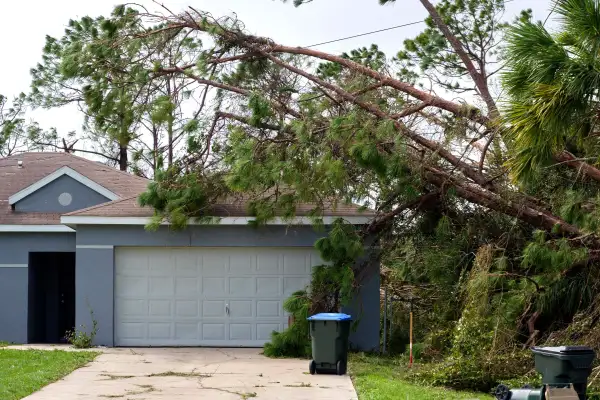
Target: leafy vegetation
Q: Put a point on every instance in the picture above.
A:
(26, 371)
(380, 378)
(484, 209)
(81, 338)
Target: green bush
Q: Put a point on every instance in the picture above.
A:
(294, 341)
(480, 374)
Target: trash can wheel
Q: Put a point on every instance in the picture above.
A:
(502, 392)
(340, 367)
(312, 367)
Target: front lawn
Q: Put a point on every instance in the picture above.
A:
(377, 378)
(23, 372)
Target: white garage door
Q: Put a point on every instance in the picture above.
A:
(205, 296)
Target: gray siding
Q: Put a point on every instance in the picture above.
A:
(365, 310)
(94, 283)
(203, 236)
(13, 297)
(46, 198)
(95, 268)
(14, 258)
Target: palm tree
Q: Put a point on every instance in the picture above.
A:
(552, 81)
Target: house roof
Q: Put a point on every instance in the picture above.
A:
(36, 166)
(15, 182)
(130, 207)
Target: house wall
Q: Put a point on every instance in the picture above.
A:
(14, 260)
(95, 268)
(45, 199)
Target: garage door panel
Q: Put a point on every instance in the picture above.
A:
(180, 296)
(213, 308)
(263, 331)
(268, 264)
(213, 331)
(242, 286)
(134, 307)
(160, 308)
(136, 263)
(186, 331)
(240, 331)
(132, 330)
(129, 286)
(269, 286)
(160, 263)
(187, 287)
(214, 264)
(268, 308)
(292, 284)
(242, 264)
(213, 287)
(162, 286)
(159, 331)
(241, 308)
(186, 308)
(296, 263)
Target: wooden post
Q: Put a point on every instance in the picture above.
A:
(410, 359)
(385, 317)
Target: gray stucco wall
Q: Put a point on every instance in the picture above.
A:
(94, 283)
(95, 268)
(365, 309)
(46, 198)
(14, 259)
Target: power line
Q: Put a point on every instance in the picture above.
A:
(366, 33)
(377, 31)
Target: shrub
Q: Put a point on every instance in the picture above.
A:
(480, 374)
(294, 341)
(80, 338)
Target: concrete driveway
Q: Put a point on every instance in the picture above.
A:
(195, 373)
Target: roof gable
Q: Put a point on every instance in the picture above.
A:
(19, 171)
(64, 171)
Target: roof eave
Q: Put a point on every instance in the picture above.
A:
(74, 220)
(36, 228)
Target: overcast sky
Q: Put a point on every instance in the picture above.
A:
(25, 23)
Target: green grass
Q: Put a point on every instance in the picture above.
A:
(3, 344)
(23, 372)
(379, 378)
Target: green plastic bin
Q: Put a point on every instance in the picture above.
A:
(329, 333)
(565, 365)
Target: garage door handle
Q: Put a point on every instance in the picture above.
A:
(227, 309)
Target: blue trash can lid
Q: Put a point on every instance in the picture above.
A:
(330, 317)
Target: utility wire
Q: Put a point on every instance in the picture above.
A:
(377, 31)
(366, 33)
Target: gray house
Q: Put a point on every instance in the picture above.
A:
(72, 240)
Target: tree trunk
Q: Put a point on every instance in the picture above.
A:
(478, 76)
(170, 126)
(123, 158)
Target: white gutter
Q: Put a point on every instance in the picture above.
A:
(36, 228)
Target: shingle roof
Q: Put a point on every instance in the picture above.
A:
(38, 165)
(129, 207)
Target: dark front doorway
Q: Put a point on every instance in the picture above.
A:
(51, 306)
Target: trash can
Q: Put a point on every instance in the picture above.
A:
(329, 333)
(565, 365)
